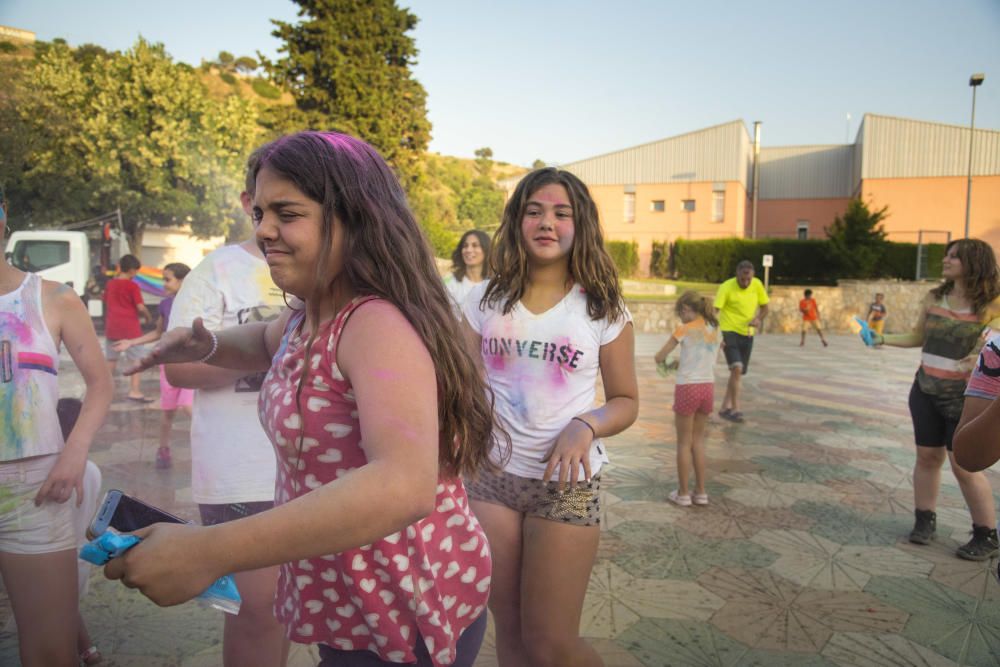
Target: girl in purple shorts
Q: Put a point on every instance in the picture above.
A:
(698, 338)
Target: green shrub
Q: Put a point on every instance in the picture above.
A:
(8, 47)
(625, 255)
(659, 263)
(900, 260)
(228, 78)
(265, 89)
(813, 262)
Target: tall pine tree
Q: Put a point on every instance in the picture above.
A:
(347, 64)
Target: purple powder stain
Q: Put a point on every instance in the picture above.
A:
(16, 328)
(558, 372)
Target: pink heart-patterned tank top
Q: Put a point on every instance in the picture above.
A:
(426, 583)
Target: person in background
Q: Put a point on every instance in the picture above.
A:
(123, 308)
(810, 317)
(469, 266)
(741, 306)
(877, 313)
(171, 397)
(699, 340)
(949, 331)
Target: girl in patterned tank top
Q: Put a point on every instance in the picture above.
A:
(41, 472)
(954, 320)
(375, 408)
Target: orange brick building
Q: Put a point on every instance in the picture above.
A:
(700, 185)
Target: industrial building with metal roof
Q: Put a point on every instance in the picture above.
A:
(700, 185)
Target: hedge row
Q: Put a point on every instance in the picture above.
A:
(811, 262)
(625, 255)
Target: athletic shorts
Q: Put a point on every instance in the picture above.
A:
(737, 349)
(580, 506)
(931, 427)
(25, 528)
(215, 514)
(877, 326)
(810, 324)
(172, 397)
(692, 398)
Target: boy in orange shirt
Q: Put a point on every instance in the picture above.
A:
(810, 317)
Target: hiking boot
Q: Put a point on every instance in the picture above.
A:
(924, 527)
(982, 546)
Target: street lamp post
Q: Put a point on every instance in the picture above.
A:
(974, 82)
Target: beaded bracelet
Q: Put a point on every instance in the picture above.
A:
(587, 424)
(215, 348)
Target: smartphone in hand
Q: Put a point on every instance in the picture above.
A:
(124, 514)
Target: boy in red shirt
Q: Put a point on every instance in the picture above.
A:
(123, 307)
(810, 317)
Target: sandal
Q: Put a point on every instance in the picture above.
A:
(699, 498)
(91, 656)
(678, 499)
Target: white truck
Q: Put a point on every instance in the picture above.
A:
(70, 256)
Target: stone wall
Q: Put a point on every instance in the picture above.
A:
(837, 305)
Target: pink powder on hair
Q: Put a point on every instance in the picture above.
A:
(344, 143)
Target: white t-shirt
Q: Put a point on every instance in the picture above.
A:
(699, 347)
(543, 370)
(232, 460)
(459, 290)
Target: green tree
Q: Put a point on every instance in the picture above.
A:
(484, 161)
(347, 65)
(857, 240)
(226, 59)
(538, 164)
(481, 205)
(245, 64)
(133, 131)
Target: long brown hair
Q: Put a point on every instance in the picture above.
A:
(699, 304)
(387, 255)
(458, 267)
(980, 274)
(589, 262)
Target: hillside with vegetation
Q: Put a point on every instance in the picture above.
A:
(85, 130)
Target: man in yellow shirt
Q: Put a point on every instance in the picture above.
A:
(737, 303)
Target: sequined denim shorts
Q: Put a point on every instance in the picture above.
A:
(580, 506)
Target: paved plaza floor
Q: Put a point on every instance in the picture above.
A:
(799, 559)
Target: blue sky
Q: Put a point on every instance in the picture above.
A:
(560, 80)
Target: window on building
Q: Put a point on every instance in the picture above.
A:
(687, 205)
(718, 205)
(657, 206)
(802, 230)
(629, 207)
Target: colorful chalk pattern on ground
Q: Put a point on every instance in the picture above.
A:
(150, 280)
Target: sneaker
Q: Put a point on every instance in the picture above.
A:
(982, 546)
(163, 459)
(924, 527)
(699, 498)
(735, 417)
(678, 499)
